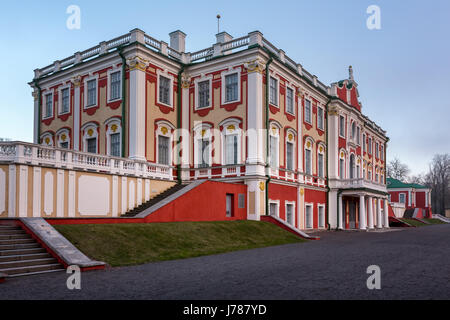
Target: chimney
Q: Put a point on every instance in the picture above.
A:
(223, 37)
(177, 40)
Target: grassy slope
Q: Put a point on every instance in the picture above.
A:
(414, 222)
(434, 221)
(131, 244)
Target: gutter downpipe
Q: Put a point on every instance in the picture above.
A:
(124, 64)
(35, 83)
(267, 133)
(179, 122)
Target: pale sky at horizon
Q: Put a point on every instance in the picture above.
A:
(403, 70)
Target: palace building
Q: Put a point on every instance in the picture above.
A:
(243, 129)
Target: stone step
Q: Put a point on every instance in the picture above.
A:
(14, 236)
(17, 252)
(6, 247)
(25, 257)
(26, 263)
(9, 232)
(36, 273)
(17, 241)
(32, 269)
(5, 227)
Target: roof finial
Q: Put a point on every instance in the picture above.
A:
(218, 23)
(350, 73)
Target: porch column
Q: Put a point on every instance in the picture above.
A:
(386, 213)
(362, 213)
(370, 212)
(379, 221)
(341, 213)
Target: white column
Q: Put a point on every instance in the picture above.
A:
(185, 134)
(300, 146)
(137, 108)
(341, 214)
(255, 131)
(76, 113)
(370, 212)
(23, 191)
(362, 213)
(379, 220)
(386, 213)
(36, 134)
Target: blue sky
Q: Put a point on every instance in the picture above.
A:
(403, 70)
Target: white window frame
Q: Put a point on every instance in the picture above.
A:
(109, 132)
(46, 94)
(399, 197)
(170, 77)
(364, 142)
(277, 203)
(293, 143)
(224, 92)
(341, 127)
(289, 87)
(111, 71)
(277, 104)
(58, 137)
(236, 132)
(319, 218)
(47, 135)
(275, 135)
(320, 111)
(323, 162)
(196, 92)
(286, 204)
(168, 134)
(310, 111)
(86, 80)
(342, 173)
(310, 205)
(305, 147)
(197, 137)
(60, 99)
(86, 136)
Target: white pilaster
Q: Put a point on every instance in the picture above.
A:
(386, 213)
(71, 195)
(23, 191)
(76, 113)
(379, 220)
(370, 213)
(137, 108)
(37, 191)
(36, 134)
(60, 193)
(362, 213)
(12, 192)
(341, 214)
(124, 195)
(115, 196)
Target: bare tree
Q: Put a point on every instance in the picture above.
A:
(438, 179)
(418, 179)
(397, 170)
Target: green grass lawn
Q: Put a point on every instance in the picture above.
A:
(434, 221)
(132, 244)
(414, 222)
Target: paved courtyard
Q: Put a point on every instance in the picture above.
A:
(414, 262)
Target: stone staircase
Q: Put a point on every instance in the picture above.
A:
(155, 200)
(21, 255)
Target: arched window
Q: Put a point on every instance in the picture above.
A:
(114, 137)
(308, 156)
(63, 139)
(342, 164)
(231, 141)
(164, 138)
(321, 160)
(352, 166)
(274, 145)
(358, 168)
(290, 149)
(203, 146)
(47, 139)
(90, 137)
(353, 130)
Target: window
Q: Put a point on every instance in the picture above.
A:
(164, 90)
(370, 145)
(273, 152)
(290, 101)
(342, 168)
(321, 217)
(273, 209)
(91, 93)
(290, 213)
(364, 143)
(231, 88)
(203, 156)
(320, 164)
(49, 105)
(91, 145)
(382, 152)
(342, 126)
(376, 176)
(231, 149)
(358, 135)
(358, 168)
(114, 144)
(308, 216)
(289, 156)
(308, 169)
(115, 86)
(320, 118)
(241, 201)
(229, 205)
(273, 90)
(64, 145)
(308, 111)
(203, 94)
(353, 130)
(65, 100)
(352, 166)
(377, 150)
(402, 198)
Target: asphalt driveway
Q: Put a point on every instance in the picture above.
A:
(414, 264)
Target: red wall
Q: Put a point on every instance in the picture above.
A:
(316, 197)
(284, 193)
(207, 202)
(420, 199)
